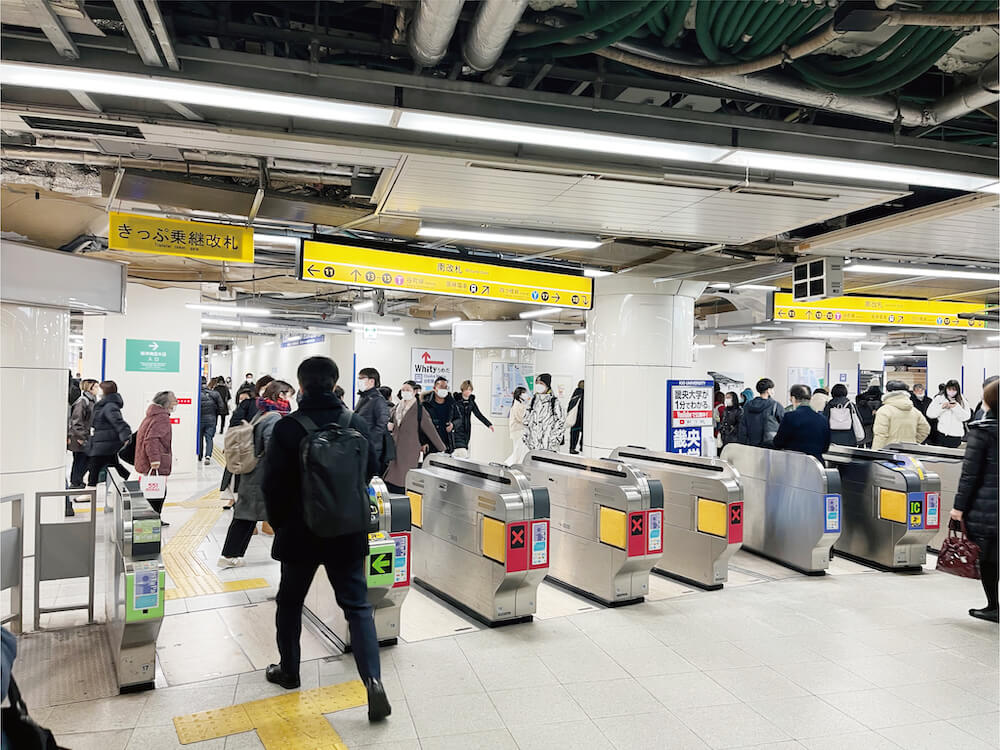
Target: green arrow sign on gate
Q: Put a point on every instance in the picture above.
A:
(380, 554)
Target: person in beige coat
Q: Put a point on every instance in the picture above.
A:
(897, 420)
(406, 423)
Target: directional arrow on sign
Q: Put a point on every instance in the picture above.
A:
(381, 563)
(554, 297)
(312, 270)
(356, 274)
(153, 345)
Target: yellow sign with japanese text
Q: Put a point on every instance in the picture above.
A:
(877, 311)
(427, 274)
(190, 239)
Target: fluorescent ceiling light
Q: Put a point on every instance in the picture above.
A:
(758, 349)
(230, 323)
(704, 346)
(720, 285)
(929, 348)
(275, 240)
(580, 332)
(356, 324)
(65, 78)
(897, 351)
(596, 273)
(768, 328)
(537, 135)
(758, 287)
(837, 334)
(909, 270)
(268, 343)
(539, 313)
(368, 304)
(229, 309)
(993, 338)
(738, 342)
(391, 333)
(856, 170)
(443, 322)
(888, 356)
(508, 237)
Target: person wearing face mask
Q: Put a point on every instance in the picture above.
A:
(412, 428)
(544, 419)
(729, 426)
(80, 420)
(919, 398)
(951, 412)
(516, 425)
(373, 408)
(153, 442)
(467, 408)
(761, 417)
(444, 412)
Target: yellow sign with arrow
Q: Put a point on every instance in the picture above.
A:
(354, 265)
(878, 311)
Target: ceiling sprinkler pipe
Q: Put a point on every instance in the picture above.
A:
(490, 31)
(431, 30)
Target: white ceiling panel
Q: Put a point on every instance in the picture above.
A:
(452, 189)
(974, 235)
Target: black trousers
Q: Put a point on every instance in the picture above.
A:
(949, 441)
(238, 537)
(575, 438)
(227, 477)
(351, 590)
(79, 468)
(96, 463)
(988, 569)
(395, 488)
(222, 422)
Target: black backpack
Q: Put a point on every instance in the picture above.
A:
(333, 460)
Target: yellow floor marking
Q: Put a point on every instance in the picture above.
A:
(293, 721)
(188, 573)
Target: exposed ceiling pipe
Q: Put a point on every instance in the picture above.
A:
(490, 31)
(978, 93)
(431, 30)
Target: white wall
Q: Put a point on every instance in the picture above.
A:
(264, 355)
(390, 355)
(979, 364)
(221, 364)
(565, 363)
(947, 365)
(736, 361)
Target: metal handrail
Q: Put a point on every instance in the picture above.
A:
(70, 550)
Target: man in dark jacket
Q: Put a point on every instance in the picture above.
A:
(373, 408)
(976, 501)
(868, 403)
(465, 400)
(301, 552)
(919, 398)
(761, 417)
(440, 404)
(803, 429)
(223, 390)
(211, 407)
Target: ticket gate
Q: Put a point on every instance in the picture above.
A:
(136, 578)
(481, 534)
(702, 513)
(388, 569)
(607, 524)
(892, 507)
(792, 503)
(947, 464)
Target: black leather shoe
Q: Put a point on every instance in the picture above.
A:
(275, 675)
(990, 615)
(378, 701)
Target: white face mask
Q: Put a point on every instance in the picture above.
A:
(540, 388)
(406, 395)
(729, 402)
(363, 385)
(951, 393)
(442, 392)
(525, 397)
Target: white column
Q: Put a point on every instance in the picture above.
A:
(639, 335)
(483, 444)
(34, 380)
(793, 358)
(946, 365)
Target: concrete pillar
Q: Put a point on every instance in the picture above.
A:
(483, 444)
(639, 335)
(948, 364)
(791, 361)
(844, 365)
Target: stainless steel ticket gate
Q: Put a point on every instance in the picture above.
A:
(481, 537)
(702, 513)
(387, 566)
(607, 524)
(793, 506)
(947, 464)
(134, 599)
(892, 507)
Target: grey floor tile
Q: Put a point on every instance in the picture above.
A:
(120, 712)
(739, 726)
(775, 651)
(494, 739)
(613, 698)
(573, 735)
(514, 672)
(115, 739)
(244, 741)
(445, 679)
(823, 677)
(806, 716)
(583, 664)
(647, 660)
(888, 671)
(651, 731)
(756, 683)
(943, 704)
(163, 705)
(985, 727)
(875, 709)
(933, 736)
(165, 738)
(708, 655)
(356, 731)
(688, 690)
(395, 745)
(855, 741)
(548, 704)
(453, 714)
(252, 686)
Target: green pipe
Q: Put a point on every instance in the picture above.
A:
(887, 69)
(872, 55)
(761, 22)
(719, 20)
(658, 23)
(586, 25)
(909, 74)
(572, 50)
(704, 13)
(917, 37)
(807, 27)
(676, 26)
(774, 35)
(738, 22)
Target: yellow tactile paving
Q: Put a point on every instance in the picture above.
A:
(294, 721)
(188, 573)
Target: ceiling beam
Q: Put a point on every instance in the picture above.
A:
(184, 111)
(883, 284)
(86, 101)
(972, 293)
(135, 24)
(52, 28)
(162, 34)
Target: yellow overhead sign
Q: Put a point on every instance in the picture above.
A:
(191, 239)
(457, 277)
(877, 311)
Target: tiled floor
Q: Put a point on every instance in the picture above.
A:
(856, 659)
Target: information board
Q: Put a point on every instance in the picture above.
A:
(876, 311)
(151, 355)
(452, 276)
(427, 365)
(190, 239)
(689, 416)
(506, 376)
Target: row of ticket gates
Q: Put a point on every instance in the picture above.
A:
(484, 536)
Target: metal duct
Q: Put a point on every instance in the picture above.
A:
(494, 23)
(431, 30)
(979, 93)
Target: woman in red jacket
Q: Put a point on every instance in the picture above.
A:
(152, 442)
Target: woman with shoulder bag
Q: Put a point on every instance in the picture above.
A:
(111, 432)
(976, 500)
(153, 453)
(410, 425)
(845, 423)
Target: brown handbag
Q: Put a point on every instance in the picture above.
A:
(959, 555)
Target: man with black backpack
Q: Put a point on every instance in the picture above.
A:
(317, 467)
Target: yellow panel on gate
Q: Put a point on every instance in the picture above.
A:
(712, 517)
(892, 505)
(612, 529)
(495, 539)
(416, 509)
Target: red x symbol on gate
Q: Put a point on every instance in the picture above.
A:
(736, 514)
(516, 537)
(636, 524)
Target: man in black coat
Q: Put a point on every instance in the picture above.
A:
(301, 552)
(440, 404)
(761, 417)
(803, 429)
(374, 409)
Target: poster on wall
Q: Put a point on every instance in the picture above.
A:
(811, 376)
(427, 365)
(689, 417)
(846, 378)
(505, 377)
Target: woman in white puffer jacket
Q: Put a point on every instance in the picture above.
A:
(952, 412)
